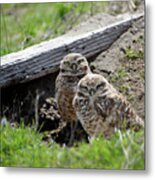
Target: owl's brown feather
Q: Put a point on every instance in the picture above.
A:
(102, 109)
(73, 67)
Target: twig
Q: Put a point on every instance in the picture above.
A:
(36, 108)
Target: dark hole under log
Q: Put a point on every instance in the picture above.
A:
(32, 103)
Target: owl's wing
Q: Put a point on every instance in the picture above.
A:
(58, 84)
(120, 109)
(75, 102)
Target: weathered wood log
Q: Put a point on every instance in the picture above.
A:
(42, 59)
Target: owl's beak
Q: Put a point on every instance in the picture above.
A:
(91, 92)
(74, 67)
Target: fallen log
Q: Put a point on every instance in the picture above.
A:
(43, 59)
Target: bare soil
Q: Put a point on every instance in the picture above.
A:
(123, 65)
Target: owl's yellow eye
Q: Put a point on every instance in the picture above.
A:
(66, 63)
(80, 94)
(101, 85)
(80, 60)
(83, 88)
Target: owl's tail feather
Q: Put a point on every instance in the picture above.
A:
(129, 117)
(134, 122)
(137, 124)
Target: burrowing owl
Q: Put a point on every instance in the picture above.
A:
(101, 108)
(72, 68)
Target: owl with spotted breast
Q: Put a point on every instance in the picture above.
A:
(73, 67)
(101, 109)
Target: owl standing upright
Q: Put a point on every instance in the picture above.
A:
(101, 109)
(73, 67)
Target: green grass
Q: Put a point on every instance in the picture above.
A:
(119, 74)
(23, 147)
(134, 54)
(23, 25)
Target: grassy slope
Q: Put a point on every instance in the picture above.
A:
(23, 147)
(23, 25)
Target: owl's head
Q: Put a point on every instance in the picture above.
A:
(74, 64)
(92, 85)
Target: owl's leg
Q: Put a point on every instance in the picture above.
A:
(72, 133)
(91, 139)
